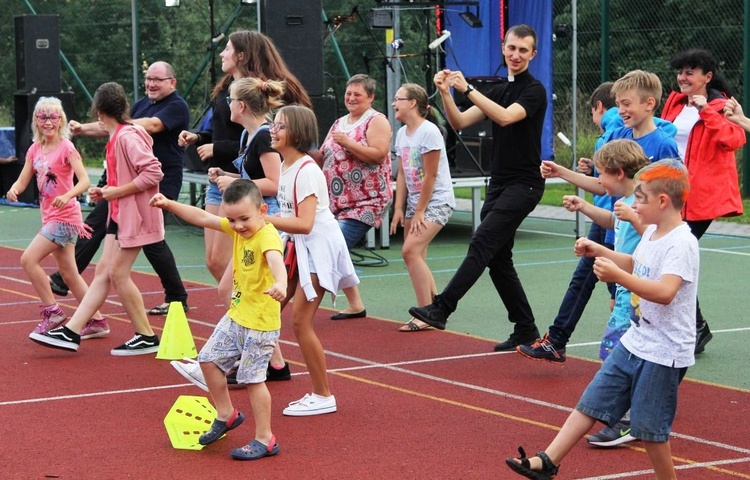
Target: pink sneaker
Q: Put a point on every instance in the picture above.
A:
(95, 329)
(52, 317)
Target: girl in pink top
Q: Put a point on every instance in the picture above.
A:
(133, 176)
(54, 160)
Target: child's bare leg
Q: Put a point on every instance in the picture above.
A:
(218, 247)
(66, 265)
(575, 427)
(312, 350)
(277, 359)
(660, 454)
(260, 400)
(31, 260)
(414, 253)
(127, 291)
(216, 382)
(97, 291)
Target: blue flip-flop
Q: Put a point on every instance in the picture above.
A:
(255, 450)
(219, 428)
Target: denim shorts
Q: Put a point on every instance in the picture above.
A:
(354, 231)
(439, 214)
(213, 194)
(627, 381)
(58, 234)
(231, 342)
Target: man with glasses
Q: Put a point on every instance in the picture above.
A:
(164, 114)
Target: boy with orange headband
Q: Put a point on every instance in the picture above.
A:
(643, 371)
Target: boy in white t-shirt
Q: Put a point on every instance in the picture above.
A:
(642, 372)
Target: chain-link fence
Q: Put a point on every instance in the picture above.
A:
(96, 38)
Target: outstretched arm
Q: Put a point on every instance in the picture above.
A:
(189, 213)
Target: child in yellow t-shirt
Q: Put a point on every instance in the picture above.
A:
(250, 329)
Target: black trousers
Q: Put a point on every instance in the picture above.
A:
(158, 254)
(505, 207)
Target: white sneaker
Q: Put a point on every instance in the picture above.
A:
(191, 370)
(311, 404)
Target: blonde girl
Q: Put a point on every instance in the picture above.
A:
(424, 186)
(54, 161)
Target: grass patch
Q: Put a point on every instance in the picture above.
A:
(553, 196)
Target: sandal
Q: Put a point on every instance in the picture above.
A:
(163, 309)
(219, 428)
(523, 467)
(255, 450)
(413, 326)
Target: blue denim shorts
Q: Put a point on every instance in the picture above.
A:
(213, 194)
(273, 205)
(354, 231)
(58, 234)
(626, 381)
(231, 342)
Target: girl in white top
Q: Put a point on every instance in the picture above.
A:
(424, 185)
(323, 262)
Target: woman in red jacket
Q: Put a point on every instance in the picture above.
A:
(706, 141)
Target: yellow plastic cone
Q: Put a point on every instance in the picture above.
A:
(176, 340)
(188, 419)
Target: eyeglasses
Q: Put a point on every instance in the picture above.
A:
(275, 127)
(396, 99)
(157, 80)
(53, 117)
(229, 100)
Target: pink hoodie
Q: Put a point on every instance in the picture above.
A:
(138, 223)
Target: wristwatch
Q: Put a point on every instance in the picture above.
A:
(469, 88)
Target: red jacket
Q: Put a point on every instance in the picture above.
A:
(710, 160)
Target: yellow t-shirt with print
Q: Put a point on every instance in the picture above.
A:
(251, 276)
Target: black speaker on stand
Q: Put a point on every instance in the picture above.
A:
(37, 53)
(326, 111)
(470, 149)
(296, 27)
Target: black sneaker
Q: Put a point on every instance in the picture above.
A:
(517, 339)
(433, 314)
(703, 335)
(543, 349)
(138, 345)
(60, 337)
(611, 436)
(278, 374)
(57, 288)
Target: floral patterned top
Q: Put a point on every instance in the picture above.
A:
(356, 189)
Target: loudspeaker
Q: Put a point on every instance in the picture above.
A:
(476, 138)
(38, 53)
(479, 166)
(326, 111)
(296, 27)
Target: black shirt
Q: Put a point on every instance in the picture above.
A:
(517, 148)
